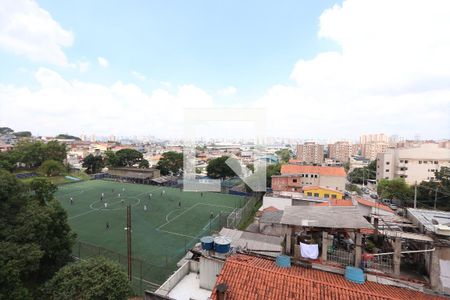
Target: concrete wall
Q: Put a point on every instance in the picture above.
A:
(440, 270)
(172, 281)
(279, 203)
(209, 269)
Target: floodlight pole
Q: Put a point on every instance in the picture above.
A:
(129, 241)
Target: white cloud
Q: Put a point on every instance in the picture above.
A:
(228, 91)
(391, 73)
(61, 105)
(83, 65)
(138, 75)
(28, 30)
(103, 62)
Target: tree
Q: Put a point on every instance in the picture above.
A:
(51, 168)
(35, 238)
(111, 159)
(94, 278)
(144, 164)
(6, 130)
(67, 137)
(55, 150)
(93, 163)
(31, 154)
(284, 154)
(272, 170)
(171, 162)
(394, 189)
(436, 192)
(218, 168)
(24, 134)
(43, 189)
(128, 157)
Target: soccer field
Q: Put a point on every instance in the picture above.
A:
(174, 220)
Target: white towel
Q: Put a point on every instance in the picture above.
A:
(309, 251)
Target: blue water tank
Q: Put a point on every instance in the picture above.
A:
(354, 274)
(283, 261)
(207, 242)
(222, 244)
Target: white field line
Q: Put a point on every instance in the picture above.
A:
(178, 234)
(161, 226)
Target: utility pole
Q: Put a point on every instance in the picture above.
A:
(415, 194)
(129, 241)
(435, 198)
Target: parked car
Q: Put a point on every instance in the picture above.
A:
(374, 196)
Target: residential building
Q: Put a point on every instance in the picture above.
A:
(321, 192)
(358, 162)
(414, 164)
(294, 177)
(373, 138)
(342, 151)
(310, 153)
(372, 149)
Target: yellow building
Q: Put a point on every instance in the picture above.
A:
(321, 192)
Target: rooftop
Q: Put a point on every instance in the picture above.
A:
(249, 277)
(324, 171)
(188, 288)
(255, 242)
(336, 202)
(325, 216)
(374, 204)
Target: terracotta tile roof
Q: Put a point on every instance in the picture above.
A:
(249, 278)
(336, 202)
(374, 204)
(270, 208)
(298, 169)
(312, 187)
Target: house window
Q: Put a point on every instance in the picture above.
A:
(294, 180)
(406, 161)
(401, 160)
(309, 194)
(387, 170)
(387, 163)
(316, 194)
(435, 162)
(420, 162)
(386, 177)
(333, 196)
(306, 175)
(431, 178)
(326, 195)
(425, 162)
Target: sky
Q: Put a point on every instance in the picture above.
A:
(319, 69)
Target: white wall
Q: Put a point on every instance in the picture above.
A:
(279, 203)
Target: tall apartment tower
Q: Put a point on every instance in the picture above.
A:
(342, 151)
(310, 152)
(373, 144)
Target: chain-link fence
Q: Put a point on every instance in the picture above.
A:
(240, 215)
(143, 272)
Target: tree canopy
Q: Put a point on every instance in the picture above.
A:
(93, 163)
(218, 168)
(396, 189)
(365, 173)
(171, 162)
(270, 171)
(67, 137)
(35, 238)
(51, 168)
(284, 154)
(94, 278)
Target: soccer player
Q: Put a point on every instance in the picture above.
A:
(201, 194)
(179, 203)
(106, 204)
(71, 201)
(122, 201)
(123, 189)
(145, 207)
(107, 225)
(149, 196)
(118, 195)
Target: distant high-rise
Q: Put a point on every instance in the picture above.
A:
(93, 138)
(310, 152)
(373, 144)
(342, 151)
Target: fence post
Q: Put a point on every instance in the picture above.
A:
(142, 291)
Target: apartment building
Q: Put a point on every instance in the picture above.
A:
(342, 151)
(310, 152)
(374, 138)
(294, 177)
(414, 163)
(372, 149)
